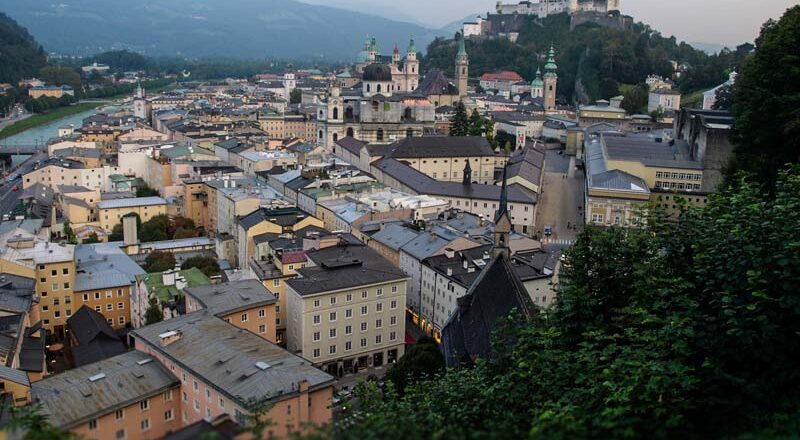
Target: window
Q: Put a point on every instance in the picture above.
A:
(65, 271)
(145, 424)
(316, 336)
(348, 313)
(262, 313)
(120, 434)
(363, 310)
(394, 289)
(244, 317)
(349, 297)
(378, 339)
(332, 349)
(378, 323)
(168, 415)
(392, 336)
(379, 292)
(195, 386)
(109, 307)
(363, 342)
(379, 307)
(66, 285)
(119, 414)
(276, 282)
(379, 135)
(316, 353)
(222, 403)
(55, 286)
(363, 294)
(316, 319)
(196, 405)
(121, 320)
(393, 320)
(363, 326)
(97, 309)
(332, 333)
(332, 317)
(53, 272)
(144, 404)
(120, 306)
(316, 303)
(262, 329)
(168, 396)
(333, 300)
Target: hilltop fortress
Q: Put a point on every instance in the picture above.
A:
(509, 18)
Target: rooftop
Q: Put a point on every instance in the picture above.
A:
(77, 396)
(194, 277)
(223, 299)
(131, 202)
(344, 267)
(238, 364)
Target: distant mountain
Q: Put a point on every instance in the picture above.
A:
(20, 55)
(232, 28)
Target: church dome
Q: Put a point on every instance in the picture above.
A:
(362, 57)
(377, 73)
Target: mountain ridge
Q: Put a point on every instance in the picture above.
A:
(237, 28)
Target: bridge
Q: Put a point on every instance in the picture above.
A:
(8, 151)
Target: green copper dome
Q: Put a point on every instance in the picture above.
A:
(537, 82)
(412, 48)
(362, 57)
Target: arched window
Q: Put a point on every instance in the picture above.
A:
(348, 113)
(380, 134)
(350, 132)
(407, 113)
(335, 137)
(379, 88)
(368, 87)
(409, 132)
(335, 113)
(320, 134)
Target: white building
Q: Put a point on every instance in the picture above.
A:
(710, 96)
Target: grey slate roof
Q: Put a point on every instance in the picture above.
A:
(435, 83)
(422, 184)
(71, 398)
(96, 340)
(351, 144)
(226, 358)
(648, 151)
(495, 293)
(14, 375)
(102, 266)
(343, 267)
(281, 216)
(442, 146)
(226, 298)
(395, 236)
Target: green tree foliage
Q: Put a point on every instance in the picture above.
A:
(69, 234)
(475, 123)
(120, 60)
(635, 101)
(459, 125)
(680, 329)
(61, 76)
(766, 102)
(422, 361)
(724, 98)
(32, 424)
(159, 261)
(296, 96)
(145, 191)
(597, 58)
(155, 229)
(21, 55)
(154, 313)
(207, 265)
(92, 238)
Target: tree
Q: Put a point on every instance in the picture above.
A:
(60, 76)
(766, 96)
(296, 96)
(69, 234)
(154, 313)
(181, 227)
(92, 238)
(635, 99)
(459, 125)
(724, 97)
(207, 265)
(159, 261)
(476, 124)
(422, 361)
(681, 328)
(145, 191)
(155, 229)
(32, 424)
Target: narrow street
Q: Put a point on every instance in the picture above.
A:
(561, 203)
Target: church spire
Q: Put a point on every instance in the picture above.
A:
(467, 173)
(502, 222)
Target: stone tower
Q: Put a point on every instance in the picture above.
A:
(537, 85)
(462, 68)
(550, 81)
(411, 66)
(140, 105)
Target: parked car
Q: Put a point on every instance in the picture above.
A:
(548, 230)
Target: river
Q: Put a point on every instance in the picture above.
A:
(43, 133)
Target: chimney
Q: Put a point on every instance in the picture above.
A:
(450, 253)
(466, 263)
(168, 277)
(449, 271)
(170, 337)
(129, 231)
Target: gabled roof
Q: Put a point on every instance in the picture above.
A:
(226, 298)
(435, 83)
(495, 294)
(442, 146)
(351, 144)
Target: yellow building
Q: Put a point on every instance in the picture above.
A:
(347, 311)
(110, 212)
(263, 221)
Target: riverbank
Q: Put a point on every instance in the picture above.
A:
(46, 118)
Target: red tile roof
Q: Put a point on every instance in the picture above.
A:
(505, 75)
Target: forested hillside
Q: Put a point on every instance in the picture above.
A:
(20, 55)
(600, 58)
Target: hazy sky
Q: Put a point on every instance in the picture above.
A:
(709, 21)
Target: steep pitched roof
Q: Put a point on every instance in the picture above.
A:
(497, 291)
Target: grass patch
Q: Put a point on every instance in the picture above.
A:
(693, 100)
(46, 118)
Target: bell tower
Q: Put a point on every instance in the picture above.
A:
(462, 68)
(502, 222)
(550, 81)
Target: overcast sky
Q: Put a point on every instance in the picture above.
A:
(709, 21)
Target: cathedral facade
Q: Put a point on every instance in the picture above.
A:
(405, 70)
